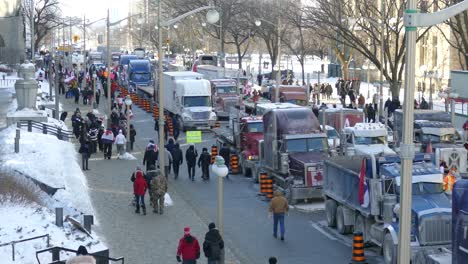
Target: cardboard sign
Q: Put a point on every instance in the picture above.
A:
(194, 136)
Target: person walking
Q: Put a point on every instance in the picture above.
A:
(361, 101)
(170, 147)
(63, 116)
(167, 161)
(188, 250)
(213, 245)
(151, 155)
(139, 189)
(132, 136)
(99, 138)
(149, 176)
(158, 191)
(191, 158)
(177, 159)
(93, 138)
(225, 152)
(85, 151)
(107, 140)
(278, 207)
(272, 260)
(120, 142)
(204, 162)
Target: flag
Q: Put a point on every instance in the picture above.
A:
(363, 192)
(429, 146)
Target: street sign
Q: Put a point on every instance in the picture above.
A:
(194, 137)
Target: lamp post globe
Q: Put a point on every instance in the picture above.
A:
(203, 24)
(212, 16)
(219, 168)
(258, 22)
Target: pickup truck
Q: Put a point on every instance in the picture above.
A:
(377, 216)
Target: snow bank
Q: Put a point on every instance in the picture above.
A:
(49, 160)
(30, 221)
(126, 156)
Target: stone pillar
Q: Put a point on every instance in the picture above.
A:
(26, 88)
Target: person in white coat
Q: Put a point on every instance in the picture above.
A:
(120, 141)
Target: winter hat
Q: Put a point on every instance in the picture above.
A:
(211, 226)
(138, 168)
(120, 131)
(151, 141)
(152, 167)
(187, 230)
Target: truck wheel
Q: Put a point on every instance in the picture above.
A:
(340, 221)
(360, 226)
(389, 249)
(330, 211)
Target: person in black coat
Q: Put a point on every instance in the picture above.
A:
(213, 244)
(204, 162)
(85, 151)
(151, 155)
(132, 136)
(177, 159)
(63, 116)
(191, 158)
(225, 152)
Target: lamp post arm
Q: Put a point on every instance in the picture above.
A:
(118, 22)
(430, 19)
(177, 19)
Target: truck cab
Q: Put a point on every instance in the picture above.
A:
(366, 138)
(139, 73)
(225, 96)
(290, 94)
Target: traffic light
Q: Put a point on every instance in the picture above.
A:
(75, 38)
(168, 41)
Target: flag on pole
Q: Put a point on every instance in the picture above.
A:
(363, 192)
(429, 146)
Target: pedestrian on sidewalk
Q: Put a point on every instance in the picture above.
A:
(151, 155)
(178, 159)
(77, 123)
(63, 116)
(132, 136)
(213, 245)
(97, 96)
(149, 176)
(99, 138)
(272, 260)
(225, 152)
(191, 158)
(107, 141)
(170, 147)
(167, 161)
(85, 151)
(139, 189)
(278, 207)
(158, 191)
(93, 137)
(204, 162)
(188, 250)
(120, 143)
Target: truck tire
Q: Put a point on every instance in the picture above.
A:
(330, 212)
(340, 222)
(389, 250)
(360, 226)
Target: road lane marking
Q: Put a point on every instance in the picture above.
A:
(321, 230)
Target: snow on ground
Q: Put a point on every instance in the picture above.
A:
(126, 156)
(33, 220)
(49, 160)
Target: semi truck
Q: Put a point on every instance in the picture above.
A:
(376, 212)
(293, 151)
(366, 138)
(340, 118)
(290, 94)
(225, 96)
(435, 128)
(139, 73)
(188, 98)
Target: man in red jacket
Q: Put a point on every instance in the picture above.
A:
(139, 189)
(188, 248)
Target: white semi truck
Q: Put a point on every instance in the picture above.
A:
(366, 139)
(188, 97)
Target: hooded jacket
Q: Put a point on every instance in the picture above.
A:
(177, 155)
(140, 185)
(167, 157)
(279, 204)
(191, 156)
(213, 244)
(188, 248)
(108, 137)
(120, 139)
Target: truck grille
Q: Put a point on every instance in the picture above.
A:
(435, 230)
(201, 115)
(228, 105)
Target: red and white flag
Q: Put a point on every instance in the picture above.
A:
(363, 192)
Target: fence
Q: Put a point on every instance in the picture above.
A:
(6, 83)
(102, 257)
(13, 243)
(61, 134)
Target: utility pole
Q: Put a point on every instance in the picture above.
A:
(382, 59)
(70, 41)
(161, 93)
(32, 31)
(278, 74)
(84, 45)
(109, 102)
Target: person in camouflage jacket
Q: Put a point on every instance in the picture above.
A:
(158, 190)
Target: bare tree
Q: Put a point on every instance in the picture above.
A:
(357, 25)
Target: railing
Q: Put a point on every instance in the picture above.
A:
(101, 257)
(61, 134)
(13, 243)
(7, 82)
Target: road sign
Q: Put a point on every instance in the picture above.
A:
(194, 137)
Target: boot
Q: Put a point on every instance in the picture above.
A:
(144, 210)
(137, 211)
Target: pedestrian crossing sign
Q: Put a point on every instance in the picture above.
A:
(194, 137)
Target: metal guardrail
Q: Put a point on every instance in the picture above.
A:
(61, 134)
(56, 255)
(13, 243)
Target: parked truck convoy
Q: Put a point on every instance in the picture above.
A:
(188, 98)
(293, 151)
(435, 128)
(376, 212)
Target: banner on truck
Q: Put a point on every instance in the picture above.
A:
(194, 137)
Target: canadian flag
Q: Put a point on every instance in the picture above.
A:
(363, 192)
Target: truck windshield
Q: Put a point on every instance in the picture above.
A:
(421, 188)
(331, 133)
(449, 138)
(140, 76)
(369, 140)
(190, 101)
(256, 127)
(226, 90)
(307, 145)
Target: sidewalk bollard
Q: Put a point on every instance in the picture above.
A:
(59, 216)
(358, 248)
(88, 220)
(17, 139)
(59, 133)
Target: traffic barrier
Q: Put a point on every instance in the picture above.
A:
(214, 153)
(170, 125)
(217, 124)
(147, 106)
(234, 164)
(155, 111)
(266, 185)
(358, 248)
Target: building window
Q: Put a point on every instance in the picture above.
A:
(434, 51)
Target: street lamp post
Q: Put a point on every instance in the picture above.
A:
(220, 170)
(128, 103)
(94, 76)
